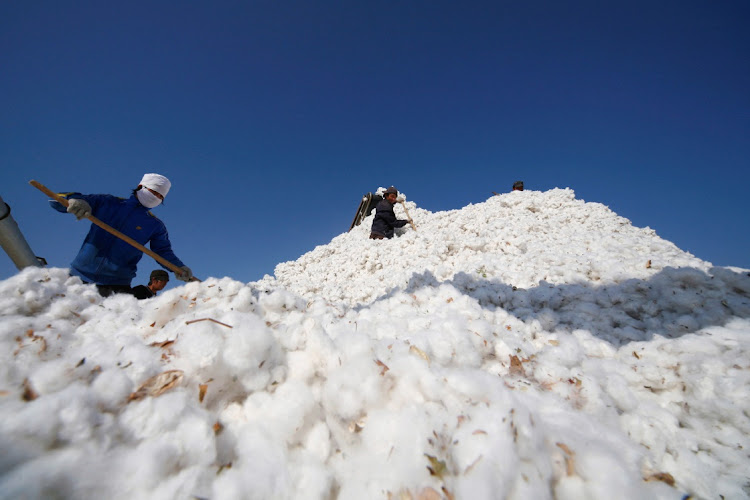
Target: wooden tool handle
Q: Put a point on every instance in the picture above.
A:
(409, 216)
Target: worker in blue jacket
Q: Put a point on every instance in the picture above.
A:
(385, 220)
(108, 261)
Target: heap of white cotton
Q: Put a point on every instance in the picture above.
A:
(532, 346)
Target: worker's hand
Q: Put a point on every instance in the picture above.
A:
(185, 275)
(79, 208)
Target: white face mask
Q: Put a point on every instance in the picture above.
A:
(147, 198)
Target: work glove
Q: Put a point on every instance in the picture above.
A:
(79, 208)
(186, 274)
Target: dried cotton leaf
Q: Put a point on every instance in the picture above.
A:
(437, 467)
(419, 352)
(29, 394)
(569, 458)
(664, 477)
(429, 493)
(516, 368)
(158, 384)
(164, 344)
(383, 366)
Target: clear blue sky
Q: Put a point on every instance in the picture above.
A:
(272, 118)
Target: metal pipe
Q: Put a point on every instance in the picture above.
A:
(13, 242)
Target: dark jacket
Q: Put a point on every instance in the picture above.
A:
(105, 259)
(385, 220)
(142, 292)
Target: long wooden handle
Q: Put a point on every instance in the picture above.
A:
(407, 214)
(161, 260)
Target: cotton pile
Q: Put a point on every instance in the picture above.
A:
(530, 346)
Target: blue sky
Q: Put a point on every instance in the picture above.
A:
(273, 118)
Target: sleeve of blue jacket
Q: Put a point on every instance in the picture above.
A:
(160, 244)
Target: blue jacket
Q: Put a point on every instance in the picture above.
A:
(105, 259)
(385, 220)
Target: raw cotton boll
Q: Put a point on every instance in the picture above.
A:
(65, 307)
(301, 365)
(260, 469)
(282, 413)
(112, 387)
(477, 244)
(481, 328)
(317, 442)
(523, 489)
(354, 345)
(443, 272)
(310, 478)
(165, 307)
(290, 337)
(322, 348)
(222, 288)
(36, 422)
(51, 376)
(656, 427)
(437, 345)
(353, 388)
(22, 291)
(51, 477)
(78, 417)
(15, 453)
(243, 301)
(552, 375)
(296, 319)
(151, 417)
(195, 437)
(392, 447)
(734, 278)
(503, 350)
(618, 389)
(201, 346)
(34, 301)
(486, 477)
(687, 323)
(567, 352)
(529, 438)
(570, 488)
(279, 301)
(592, 346)
(607, 475)
(187, 483)
(143, 468)
(465, 348)
(546, 320)
(250, 352)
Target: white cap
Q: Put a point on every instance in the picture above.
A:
(157, 182)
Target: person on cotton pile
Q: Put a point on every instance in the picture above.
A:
(157, 281)
(106, 260)
(385, 220)
(518, 186)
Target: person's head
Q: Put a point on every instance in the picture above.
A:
(518, 186)
(152, 190)
(391, 194)
(158, 280)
